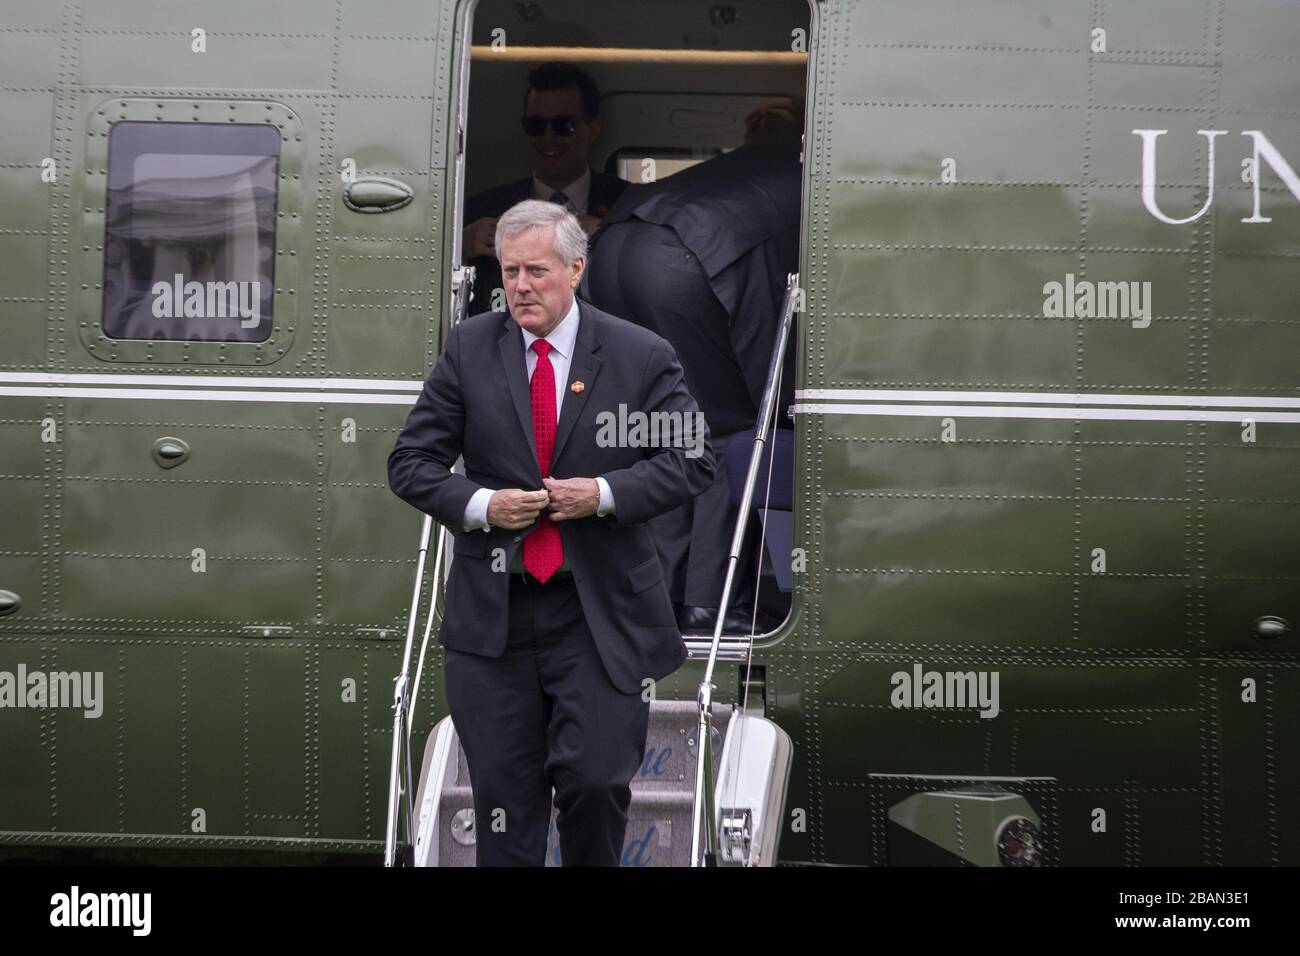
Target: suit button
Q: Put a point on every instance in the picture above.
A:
(516, 537)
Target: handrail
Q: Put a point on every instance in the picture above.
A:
(399, 771)
(703, 802)
(396, 766)
(439, 549)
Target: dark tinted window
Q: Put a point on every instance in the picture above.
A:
(189, 236)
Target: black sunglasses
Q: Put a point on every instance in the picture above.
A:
(536, 125)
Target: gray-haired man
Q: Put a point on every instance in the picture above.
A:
(557, 616)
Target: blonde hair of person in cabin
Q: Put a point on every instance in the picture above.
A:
(778, 120)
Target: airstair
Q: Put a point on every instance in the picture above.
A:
(663, 791)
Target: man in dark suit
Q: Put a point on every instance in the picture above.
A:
(557, 617)
(561, 120)
(701, 258)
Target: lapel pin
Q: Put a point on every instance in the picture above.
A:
(576, 387)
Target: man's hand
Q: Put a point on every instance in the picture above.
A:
(514, 508)
(572, 497)
(589, 223)
(476, 239)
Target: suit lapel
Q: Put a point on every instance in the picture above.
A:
(583, 368)
(510, 343)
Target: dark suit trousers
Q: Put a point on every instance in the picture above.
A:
(545, 715)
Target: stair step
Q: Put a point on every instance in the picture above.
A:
(458, 798)
(663, 791)
(658, 830)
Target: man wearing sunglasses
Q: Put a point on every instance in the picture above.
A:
(561, 120)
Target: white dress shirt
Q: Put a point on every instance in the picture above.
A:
(578, 191)
(562, 339)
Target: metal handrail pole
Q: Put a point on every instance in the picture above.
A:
(439, 546)
(703, 804)
(464, 281)
(404, 712)
(399, 700)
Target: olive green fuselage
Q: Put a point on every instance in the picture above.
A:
(1043, 431)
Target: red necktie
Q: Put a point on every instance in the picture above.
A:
(543, 549)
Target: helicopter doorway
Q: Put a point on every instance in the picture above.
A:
(676, 89)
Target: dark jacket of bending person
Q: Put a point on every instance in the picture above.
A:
(702, 259)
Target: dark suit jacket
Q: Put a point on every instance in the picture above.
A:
(739, 215)
(493, 202)
(476, 403)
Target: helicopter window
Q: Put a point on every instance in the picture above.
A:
(189, 235)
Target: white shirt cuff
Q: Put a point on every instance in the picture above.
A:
(606, 506)
(476, 510)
